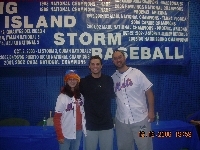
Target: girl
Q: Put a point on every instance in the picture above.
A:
(69, 118)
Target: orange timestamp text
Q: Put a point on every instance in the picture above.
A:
(166, 134)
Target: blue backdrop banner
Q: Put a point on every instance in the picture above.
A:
(150, 32)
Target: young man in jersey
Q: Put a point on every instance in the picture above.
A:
(132, 88)
(97, 90)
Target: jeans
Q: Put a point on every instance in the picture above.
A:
(72, 144)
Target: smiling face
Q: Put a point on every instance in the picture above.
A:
(72, 82)
(119, 60)
(95, 67)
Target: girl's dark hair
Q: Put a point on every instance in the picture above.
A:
(67, 90)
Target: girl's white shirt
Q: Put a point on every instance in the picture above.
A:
(67, 106)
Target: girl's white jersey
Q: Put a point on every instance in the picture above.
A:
(67, 106)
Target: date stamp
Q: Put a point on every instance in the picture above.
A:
(166, 134)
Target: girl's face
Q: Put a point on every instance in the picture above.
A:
(72, 82)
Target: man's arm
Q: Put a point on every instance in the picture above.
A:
(150, 98)
(195, 122)
(112, 92)
(81, 88)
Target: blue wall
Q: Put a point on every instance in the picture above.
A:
(31, 93)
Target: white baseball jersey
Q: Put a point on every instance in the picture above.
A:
(67, 106)
(130, 88)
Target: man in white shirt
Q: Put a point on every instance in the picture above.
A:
(133, 91)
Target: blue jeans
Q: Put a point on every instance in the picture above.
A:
(72, 144)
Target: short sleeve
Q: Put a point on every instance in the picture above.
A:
(144, 82)
(60, 104)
